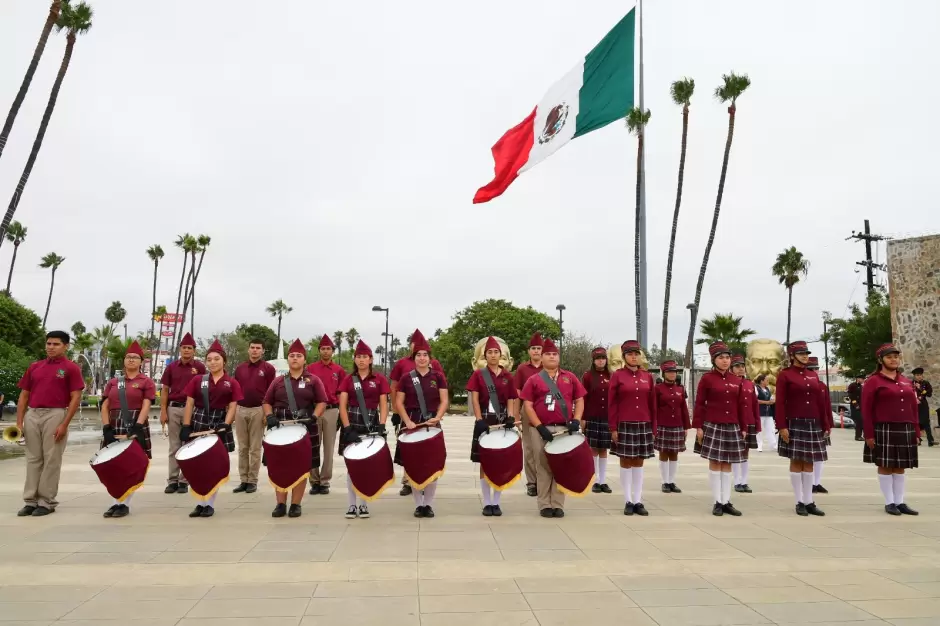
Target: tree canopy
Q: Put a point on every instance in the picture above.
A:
(725, 327)
(21, 327)
(13, 362)
(262, 332)
(855, 338)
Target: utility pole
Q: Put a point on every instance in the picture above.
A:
(869, 265)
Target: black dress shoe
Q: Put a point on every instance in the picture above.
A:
(674, 488)
(497, 512)
(906, 510)
(122, 511)
(111, 510)
(488, 511)
(279, 511)
(241, 488)
(730, 510)
(666, 488)
(739, 488)
(419, 511)
(717, 510)
(294, 510)
(207, 511)
(801, 509)
(892, 509)
(548, 513)
(558, 512)
(428, 511)
(26, 511)
(744, 489)
(197, 512)
(628, 508)
(324, 490)
(606, 488)
(405, 490)
(819, 489)
(170, 488)
(182, 488)
(41, 511)
(531, 490)
(251, 488)
(314, 489)
(596, 488)
(812, 509)
(640, 510)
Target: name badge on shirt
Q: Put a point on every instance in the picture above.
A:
(301, 385)
(550, 402)
(492, 408)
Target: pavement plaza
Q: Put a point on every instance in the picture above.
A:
(680, 566)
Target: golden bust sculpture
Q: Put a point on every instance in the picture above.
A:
(765, 356)
(615, 359)
(479, 359)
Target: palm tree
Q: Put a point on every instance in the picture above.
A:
(51, 261)
(115, 314)
(788, 269)
(78, 329)
(154, 253)
(51, 20)
(727, 328)
(681, 91)
(732, 87)
(76, 20)
(202, 244)
(190, 247)
(182, 241)
(636, 123)
(352, 336)
(338, 340)
(16, 234)
(278, 309)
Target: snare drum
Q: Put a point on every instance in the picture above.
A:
(205, 464)
(569, 457)
(121, 467)
(423, 455)
(501, 457)
(288, 454)
(369, 465)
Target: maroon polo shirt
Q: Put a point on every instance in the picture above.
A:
(222, 392)
(177, 375)
(799, 396)
(524, 372)
(536, 391)
(331, 375)
(631, 397)
(373, 386)
(886, 400)
(431, 384)
(136, 390)
(405, 365)
(597, 385)
(751, 408)
(719, 400)
(505, 388)
(254, 379)
(50, 383)
(308, 392)
(671, 408)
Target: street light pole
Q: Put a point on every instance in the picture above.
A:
(561, 327)
(825, 339)
(691, 357)
(385, 334)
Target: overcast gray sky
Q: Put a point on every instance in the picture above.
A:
(361, 130)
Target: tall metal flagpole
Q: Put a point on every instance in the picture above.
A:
(644, 325)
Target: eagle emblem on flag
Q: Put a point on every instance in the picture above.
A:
(554, 122)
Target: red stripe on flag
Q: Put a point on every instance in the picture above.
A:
(510, 153)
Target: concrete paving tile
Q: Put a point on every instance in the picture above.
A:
(262, 590)
(705, 615)
(468, 586)
(367, 588)
(473, 603)
(926, 590)
(117, 620)
(42, 593)
(579, 617)
(643, 582)
(482, 541)
(252, 607)
(493, 618)
(763, 548)
(104, 609)
(33, 547)
(679, 597)
(914, 621)
(823, 579)
(106, 558)
(884, 591)
(285, 557)
(237, 621)
(460, 555)
(25, 611)
(810, 612)
(601, 600)
(730, 581)
(544, 555)
(895, 609)
(339, 608)
(126, 546)
(132, 593)
(913, 575)
(566, 584)
(771, 595)
(198, 557)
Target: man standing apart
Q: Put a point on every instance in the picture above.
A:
(531, 441)
(254, 376)
(923, 390)
(173, 405)
(855, 402)
(331, 374)
(51, 392)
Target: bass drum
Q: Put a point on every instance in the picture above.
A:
(288, 455)
(501, 457)
(205, 464)
(369, 465)
(423, 455)
(121, 467)
(572, 464)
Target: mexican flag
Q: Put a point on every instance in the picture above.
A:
(596, 92)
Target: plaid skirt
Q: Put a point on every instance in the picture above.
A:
(634, 440)
(751, 440)
(123, 427)
(313, 429)
(721, 443)
(415, 416)
(895, 446)
(597, 431)
(211, 420)
(807, 442)
(670, 439)
(491, 419)
(357, 423)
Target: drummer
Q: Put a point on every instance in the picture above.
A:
(375, 391)
(128, 418)
(597, 383)
(223, 393)
(740, 471)
(672, 424)
(433, 387)
(547, 418)
(531, 442)
(310, 403)
(489, 413)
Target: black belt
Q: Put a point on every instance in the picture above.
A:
(332, 406)
(177, 404)
(250, 406)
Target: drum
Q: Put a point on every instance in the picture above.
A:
(501, 457)
(121, 467)
(369, 465)
(423, 455)
(288, 454)
(205, 464)
(570, 458)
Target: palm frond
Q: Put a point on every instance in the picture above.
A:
(682, 91)
(636, 120)
(732, 86)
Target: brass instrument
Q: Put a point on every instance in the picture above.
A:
(13, 434)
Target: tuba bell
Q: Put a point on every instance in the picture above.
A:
(13, 434)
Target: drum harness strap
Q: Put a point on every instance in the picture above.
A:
(491, 389)
(289, 390)
(366, 416)
(205, 393)
(553, 389)
(422, 405)
(122, 399)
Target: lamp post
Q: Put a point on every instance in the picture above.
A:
(561, 327)
(390, 339)
(691, 357)
(825, 340)
(377, 308)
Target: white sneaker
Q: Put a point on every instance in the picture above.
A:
(364, 511)
(351, 513)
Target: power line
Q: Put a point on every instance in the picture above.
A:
(869, 265)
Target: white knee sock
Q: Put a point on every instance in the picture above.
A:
(714, 479)
(601, 469)
(745, 470)
(736, 473)
(597, 468)
(485, 487)
(886, 482)
(350, 493)
(418, 496)
(626, 482)
(796, 481)
(664, 471)
(807, 478)
(637, 485)
(726, 480)
(496, 497)
(211, 500)
(898, 480)
(429, 492)
(817, 471)
(673, 470)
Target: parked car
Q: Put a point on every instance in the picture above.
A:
(846, 421)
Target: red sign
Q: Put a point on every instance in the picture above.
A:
(168, 333)
(173, 318)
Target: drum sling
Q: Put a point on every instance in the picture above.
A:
(366, 417)
(491, 389)
(205, 392)
(122, 400)
(422, 405)
(556, 394)
(291, 401)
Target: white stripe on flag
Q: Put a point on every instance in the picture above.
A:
(565, 94)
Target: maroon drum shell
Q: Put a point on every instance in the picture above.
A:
(502, 466)
(289, 464)
(123, 474)
(573, 470)
(423, 460)
(371, 475)
(206, 472)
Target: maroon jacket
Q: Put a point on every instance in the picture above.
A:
(597, 385)
(719, 400)
(671, 407)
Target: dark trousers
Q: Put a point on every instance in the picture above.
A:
(925, 426)
(857, 418)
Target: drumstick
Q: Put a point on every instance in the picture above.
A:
(303, 420)
(206, 432)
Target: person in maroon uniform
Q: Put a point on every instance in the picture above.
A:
(255, 376)
(803, 421)
(51, 390)
(672, 425)
(596, 382)
(433, 387)
(549, 414)
(173, 404)
(632, 423)
(531, 441)
(331, 374)
(889, 411)
(224, 394)
(309, 398)
(813, 366)
(741, 470)
(361, 418)
(490, 411)
(720, 427)
(125, 411)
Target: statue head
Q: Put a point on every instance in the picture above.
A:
(479, 357)
(764, 356)
(615, 359)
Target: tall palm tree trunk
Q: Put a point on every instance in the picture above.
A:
(181, 326)
(37, 143)
(789, 310)
(49, 301)
(179, 297)
(279, 328)
(636, 235)
(16, 248)
(153, 309)
(192, 295)
(711, 234)
(53, 16)
(675, 224)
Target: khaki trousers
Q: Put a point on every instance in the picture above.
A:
(43, 456)
(327, 423)
(549, 496)
(174, 423)
(249, 430)
(530, 450)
